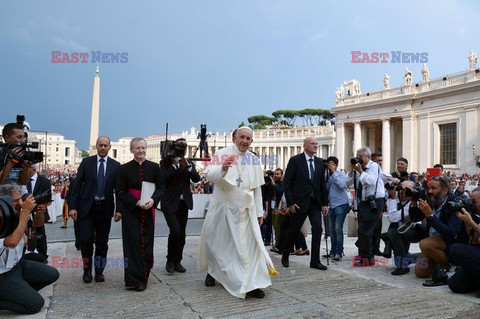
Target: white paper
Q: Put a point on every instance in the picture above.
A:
(147, 192)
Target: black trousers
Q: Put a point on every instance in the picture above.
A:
(177, 223)
(377, 232)
(314, 213)
(41, 240)
(267, 228)
(94, 228)
(467, 279)
(367, 221)
(19, 286)
(401, 242)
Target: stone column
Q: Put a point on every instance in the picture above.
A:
(371, 138)
(357, 136)
(407, 141)
(386, 145)
(266, 159)
(340, 142)
(467, 137)
(281, 161)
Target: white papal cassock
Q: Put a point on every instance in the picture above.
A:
(231, 246)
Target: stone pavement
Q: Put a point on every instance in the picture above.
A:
(298, 292)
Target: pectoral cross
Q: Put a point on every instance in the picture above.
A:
(239, 180)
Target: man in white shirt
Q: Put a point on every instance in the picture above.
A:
(20, 279)
(370, 192)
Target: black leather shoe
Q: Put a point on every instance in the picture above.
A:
(285, 262)
(257, 293)
(400, 271)
(140, 287)
(87, 276)
(99, 278)
(318, 266)
(170, 267)
(179, 268)
(377, 252)
(209, 281)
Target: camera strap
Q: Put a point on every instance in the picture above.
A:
(376, 184)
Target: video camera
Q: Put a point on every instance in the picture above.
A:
(6, 152)
(173, 148)
(9, 217)
(416, 193)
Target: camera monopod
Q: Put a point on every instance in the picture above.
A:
(325, 221)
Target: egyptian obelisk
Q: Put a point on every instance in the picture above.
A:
(95, 113)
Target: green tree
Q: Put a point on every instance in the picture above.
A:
(260, 121)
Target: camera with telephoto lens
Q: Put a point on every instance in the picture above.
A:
(6, 152)
(391, 186)
(416, 193)
(173, 148)
(43, 198)
(356, 160)
(370, 200)
(9, 217)
(457, 205)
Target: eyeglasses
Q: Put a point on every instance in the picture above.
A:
(441, 179)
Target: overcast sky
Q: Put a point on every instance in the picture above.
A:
(212, 61)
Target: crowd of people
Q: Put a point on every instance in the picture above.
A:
(249, 209)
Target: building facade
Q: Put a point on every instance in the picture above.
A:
(432, 121)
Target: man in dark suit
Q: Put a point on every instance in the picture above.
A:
(92, 206)
(39, 184)
(306, 195)
(175, 174)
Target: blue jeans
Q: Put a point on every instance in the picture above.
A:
(336, 218)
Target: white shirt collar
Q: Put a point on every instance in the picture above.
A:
(99, 157)
(308, 157)
(34, 177)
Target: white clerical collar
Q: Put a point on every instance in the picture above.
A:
(236, 151)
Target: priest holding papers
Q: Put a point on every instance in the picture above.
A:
(139, 199)
(231, 247)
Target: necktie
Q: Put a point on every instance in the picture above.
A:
(101, 180)
(29, 186)
(311, 169)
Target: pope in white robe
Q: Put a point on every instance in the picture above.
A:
(231, 245)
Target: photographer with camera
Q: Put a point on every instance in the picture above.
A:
(39, 186)
(176, 172)
(11, 164)
(20, 279)
(467, 257)
(339, 207)
(398, 206)
(365, 175)
(443, 227)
